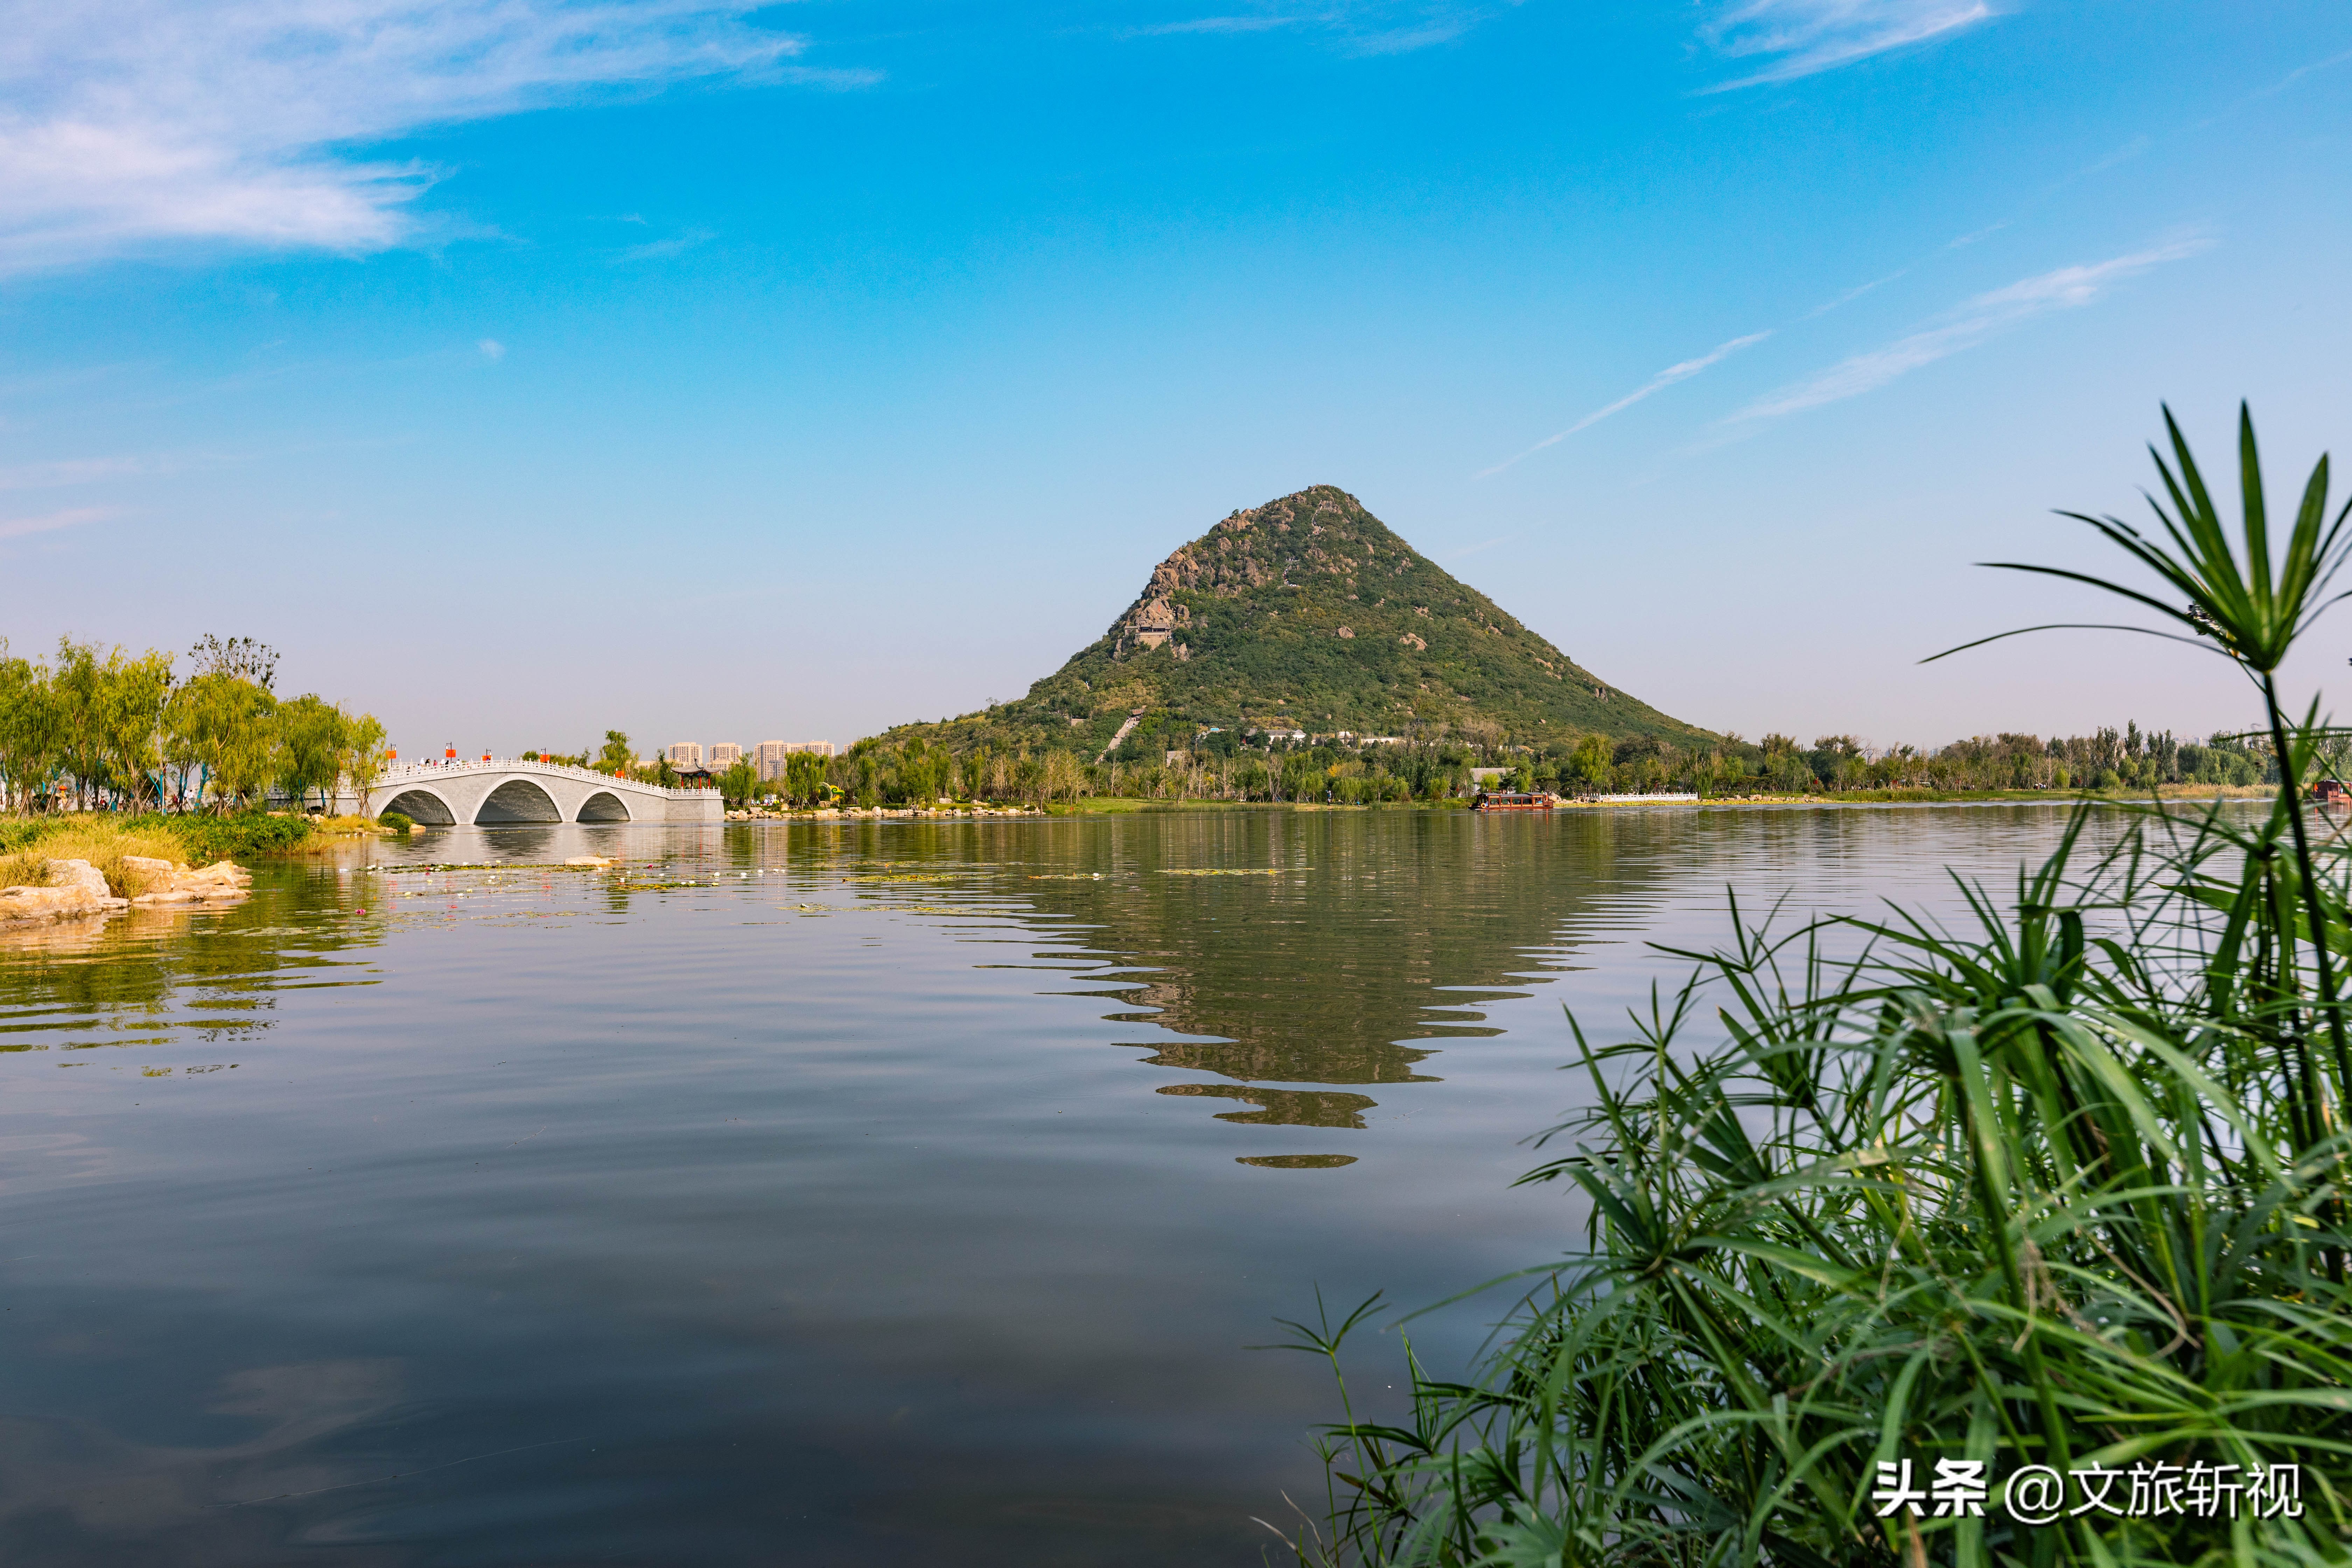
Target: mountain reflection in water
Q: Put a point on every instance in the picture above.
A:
(1346, 936)
(886, 1193)
(1315, 948)
(1373, 934)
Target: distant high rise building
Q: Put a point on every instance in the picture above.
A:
(685, 756)
(769, 755)
(724, 753)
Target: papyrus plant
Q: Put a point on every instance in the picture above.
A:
(2064, 1185)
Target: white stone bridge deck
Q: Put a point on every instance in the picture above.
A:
(489, 794)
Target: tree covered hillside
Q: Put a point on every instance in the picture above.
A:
(1308, 612)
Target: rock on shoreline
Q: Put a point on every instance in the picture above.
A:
(75, 888)
(78, 888)
(171, 884)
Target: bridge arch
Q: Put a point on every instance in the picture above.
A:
(421, 805)
(495, 793)
(604, 806)
(518, 800)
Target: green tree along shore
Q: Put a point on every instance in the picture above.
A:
(2024, 1243)
(98, 729)
(1168, 760)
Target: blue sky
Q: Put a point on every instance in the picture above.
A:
(522, 369)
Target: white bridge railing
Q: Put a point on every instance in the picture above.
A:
(432, 768)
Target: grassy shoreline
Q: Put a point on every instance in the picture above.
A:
(1117, 806)
(28, 843)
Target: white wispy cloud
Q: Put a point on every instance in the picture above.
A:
(1658, 383)
(1851, 295)
(129, 124)
(1355, 26)
(1259, 24)
(1482, 545)
(2067, 289)
(662, 249)
(1441, 28)
(2123, 154)
(18, 527)
(64, 471)
(1802, 38)
(2297, 75)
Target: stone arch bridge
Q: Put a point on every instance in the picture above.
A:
(490, 793)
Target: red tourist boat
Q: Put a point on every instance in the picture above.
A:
(1510, 800)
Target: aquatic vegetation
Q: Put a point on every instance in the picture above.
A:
(2049, 1207)
(1225, 870)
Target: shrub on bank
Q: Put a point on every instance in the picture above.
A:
(328, 833)
(240, 837)
(198, 839)
(28, 847)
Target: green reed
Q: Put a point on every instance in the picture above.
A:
(2064, 1185)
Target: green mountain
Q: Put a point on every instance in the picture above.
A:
(1308, 612)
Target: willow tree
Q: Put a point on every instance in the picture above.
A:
(31, 730)
(107, 708)
(130, 719)
(363, 758)
(226, 726)
(312, 735)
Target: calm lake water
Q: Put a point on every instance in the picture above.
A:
(861, 1193)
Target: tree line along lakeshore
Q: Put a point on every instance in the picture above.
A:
(1168, 760)
(97, 727)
